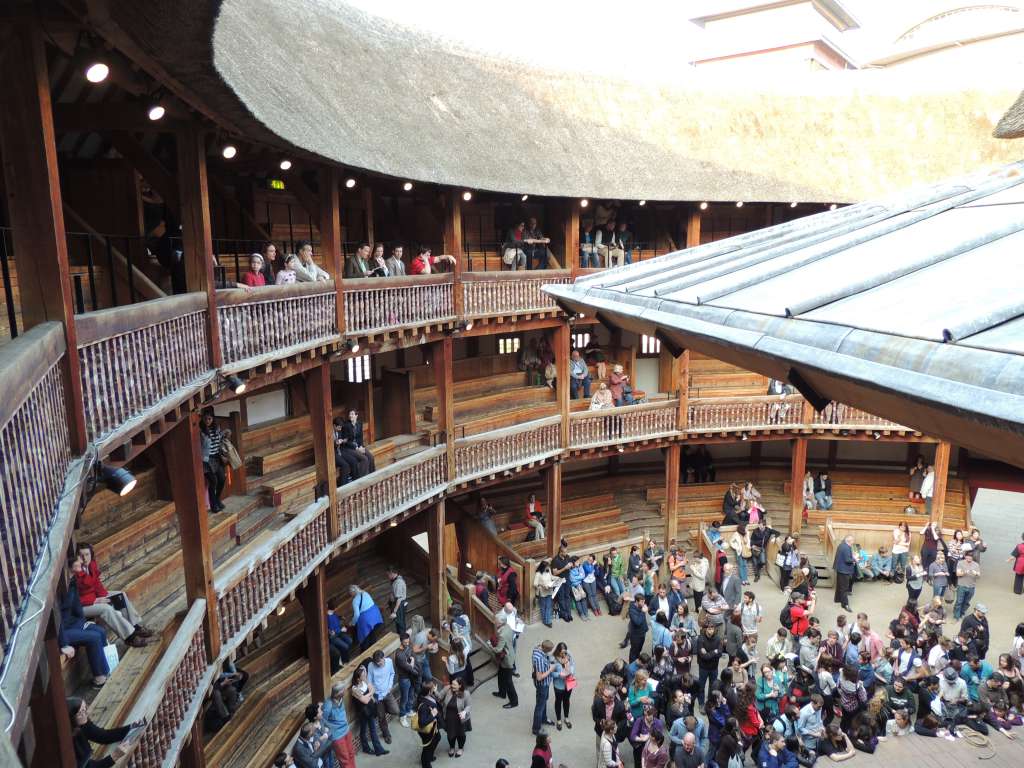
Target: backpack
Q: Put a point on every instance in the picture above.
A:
(786, 618)
(414, 723)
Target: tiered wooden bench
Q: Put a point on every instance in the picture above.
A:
(714, 378)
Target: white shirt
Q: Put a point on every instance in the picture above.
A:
(899, 546)
(928, 485)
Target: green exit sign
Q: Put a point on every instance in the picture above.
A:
(277, 183)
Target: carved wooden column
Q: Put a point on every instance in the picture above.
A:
(561, 343)
(941, 465)
(29, 150)
(321, 417)
(330, 235)
(313, 598)
(192, 755)
(453, 245)
(51, 725)
(672, 456)
(438, 582)
(441, 361)
(196, 234)
(188, 490)
(553, 488)
(572, 238)
(693, 228)
(798, 466)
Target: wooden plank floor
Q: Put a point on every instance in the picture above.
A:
(921, 752)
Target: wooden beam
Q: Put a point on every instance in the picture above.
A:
(51, 724)
(330, 236)
(561, 343)
(192, 755)
(833, 453)
(149, 167)
(798, 466)
(672, 459)
(436, 576)
(196, 233)
(572, 237)
(453, 245)
(321, 415)
(445, 382)
(188, 490)
(693, 229)
(308, 199)
(553, 491)
(367, 194)
(123, 116)
(941, 464)
(32, 184)
(238, 211)
(314, 602)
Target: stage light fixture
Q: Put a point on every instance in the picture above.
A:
(467, 325)
(235, 384)
(792, 205)
(584, 203)
(524, 198)
(407, 186)
(97, 72)
(703, 206)
(352, 346)
(156, 112)
(739, 203)
(349, 183)
(467, 195)
(876, 435)
(118, 479)
(229, 151)
(280, 610)
(285, 165)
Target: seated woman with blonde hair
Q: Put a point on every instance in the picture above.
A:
(602, 398)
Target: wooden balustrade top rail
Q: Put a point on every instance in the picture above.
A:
(515, 429)
(104, 324)
(24, 362)
(353, 284)
(395, 468)
(624, 410)
(543, 275)
(745, 399)
(228, 297)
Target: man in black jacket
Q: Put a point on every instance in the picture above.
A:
(608, 706)
(759, 538)
(975, 626)
(637, 626)
(708, 649)
(307, 751)
(845, 566)
(352, 440)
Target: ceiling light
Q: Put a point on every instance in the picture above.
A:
(97, 72)
(739, 203)
(744, 436)
(349, 183)
(643, 202)
(833, 207)
(118, 479)
(524, 198)
(792, 205)
(407, 186)
(229, 151)
(280, 610)
(235, 384)
(703, 206)
(467, 326)
(285, 165)
(876, 435)
(467, 196)
(352, 345)
(584, 203)
(156, 112)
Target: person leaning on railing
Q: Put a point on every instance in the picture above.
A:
(536, 245)
(378, 265)
(255, 277)
(513, 255)
(289, 274)
(308, 271)
(588, 248)
(424, 263)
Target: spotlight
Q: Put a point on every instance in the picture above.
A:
(394, 522)
(118, 479)
(156, 112)
(739, 203)
(423, 338)
(703, 206)
(467, 326)
(229, 151)
(643, 202)
(467, 196)
(280, 610)
(584, 203)
(285, 165)
(235, 384)
(876, 435)
(792, 205)
(349, 183)
(352, 345)
(744, 436)
(833, 207)
(97, 72)
(407, 186)
(524, 198)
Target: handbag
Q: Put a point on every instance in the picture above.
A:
(509, 256)
(570, 682)
(110, 654)
(230, 454)
(578, 593)
(118, 602)
(745, 551)
(780, 560)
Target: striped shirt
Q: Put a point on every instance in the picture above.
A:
(541, 664)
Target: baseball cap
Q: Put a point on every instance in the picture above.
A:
(981, 608)
(950, 674)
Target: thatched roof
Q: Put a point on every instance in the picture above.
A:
(1011, 126)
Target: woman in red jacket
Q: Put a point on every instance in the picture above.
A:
(749, 718)
(107, 607)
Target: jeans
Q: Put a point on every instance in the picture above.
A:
(94, 639)
(425, 673)
(213, 471)
(407, 697)
(741, 562)
(564, 610)
(581, 607)
(588, 259)
(546, 606)
(369, 723)
(705, 679)
(615, 582)
(575, 385)
(938, 591)
(964, 595)
(590, 588)
(899, 562)
(823, 500)
(540, 709)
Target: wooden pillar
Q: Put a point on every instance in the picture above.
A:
(51, 725)
(755, 454)
(196, 233)
(321, 416)
(192, 755)
(572, 238)
(445, 382)
(561, 342)
(32, 185)
(313, 597)
(368, 212)
(553, 488)
(941, 465)
(693, 229)
(398, 414)
(453, 245)
(672, 458)
(435, 544)
(683, 416)
(833, 454)
(798, 466)
(188, 490)
(330, 235)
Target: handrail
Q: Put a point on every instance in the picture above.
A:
(232, 296)
(614, 425)
(353, 284)
(375, 304)
(506, 448)
(741, 399)
(547, 275)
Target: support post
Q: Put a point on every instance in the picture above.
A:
(693, 229)
(367, 193)
(330, 235)
(445, 382)
(188, 490)
(53, 745)
(453, 245)
(321, 413)
(672, 458)
(192, 755)
(833, 454)
(435, 545)
(313, 598)
(941, 464)
(196, 233)
(28, 144)
(572, 238)
(553, 491)
(561, 342)
(683, 417)
(798, 466)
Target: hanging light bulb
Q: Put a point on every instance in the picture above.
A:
(229, 151)
(584, 203)
(524, 198)
(285, 165)
(407, 186)
(792, 205)
(833, 207)
(703, 206)
(349, 183)
(467, 196)
(739, 203)
(156, 112)
(97, 72)
(643, 202)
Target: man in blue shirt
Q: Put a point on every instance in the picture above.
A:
(381, 674)
(336, 722)
(542, 669)
(579, 376)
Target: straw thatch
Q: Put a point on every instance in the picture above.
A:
(1011, 126)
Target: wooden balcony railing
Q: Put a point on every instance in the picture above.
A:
(269, 322)
(133, 357)
(35, 455)
(506, 448)
(509, 293)
(377, 304)
(839, 415)
(618, 425)
(251, 586)
(729, 413)
(173, 696)
(375, 498)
